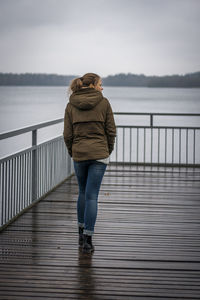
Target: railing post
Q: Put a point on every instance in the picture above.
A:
(151, 120)
(34, 166)
(69, 165)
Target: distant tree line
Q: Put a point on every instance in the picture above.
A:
(31, 79)
(35, 79)
(188, 80)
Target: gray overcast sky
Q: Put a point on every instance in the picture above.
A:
(153, 37)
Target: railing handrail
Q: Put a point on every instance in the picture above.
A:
(19, 131)
(158, 127)
(158, 114)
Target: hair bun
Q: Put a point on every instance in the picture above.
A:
(84, 81)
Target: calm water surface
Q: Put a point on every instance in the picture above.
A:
(24, 106)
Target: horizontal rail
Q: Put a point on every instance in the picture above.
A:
(161, 127)
(158, 114)
(19, 131)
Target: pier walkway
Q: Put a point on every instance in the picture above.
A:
(147, 241)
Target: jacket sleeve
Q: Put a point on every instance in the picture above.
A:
(110, 128)
(68, 130)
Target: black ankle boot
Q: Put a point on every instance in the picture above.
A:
(87, 244)
(80, 240)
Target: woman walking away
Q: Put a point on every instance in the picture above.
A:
(89, 134)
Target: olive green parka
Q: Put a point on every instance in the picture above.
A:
(89, 126)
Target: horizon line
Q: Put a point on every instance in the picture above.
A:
(127, 73)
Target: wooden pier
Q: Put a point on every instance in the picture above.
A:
(147, 241)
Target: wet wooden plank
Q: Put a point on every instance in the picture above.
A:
(147, 241)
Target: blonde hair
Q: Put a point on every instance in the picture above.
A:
(84, 81)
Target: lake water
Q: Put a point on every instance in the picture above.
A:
(24, 106)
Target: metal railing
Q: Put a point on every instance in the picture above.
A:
(158, 144)
(27, 176)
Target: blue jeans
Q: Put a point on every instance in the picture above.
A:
(89, 174)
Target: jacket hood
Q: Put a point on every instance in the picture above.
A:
(86, 99)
